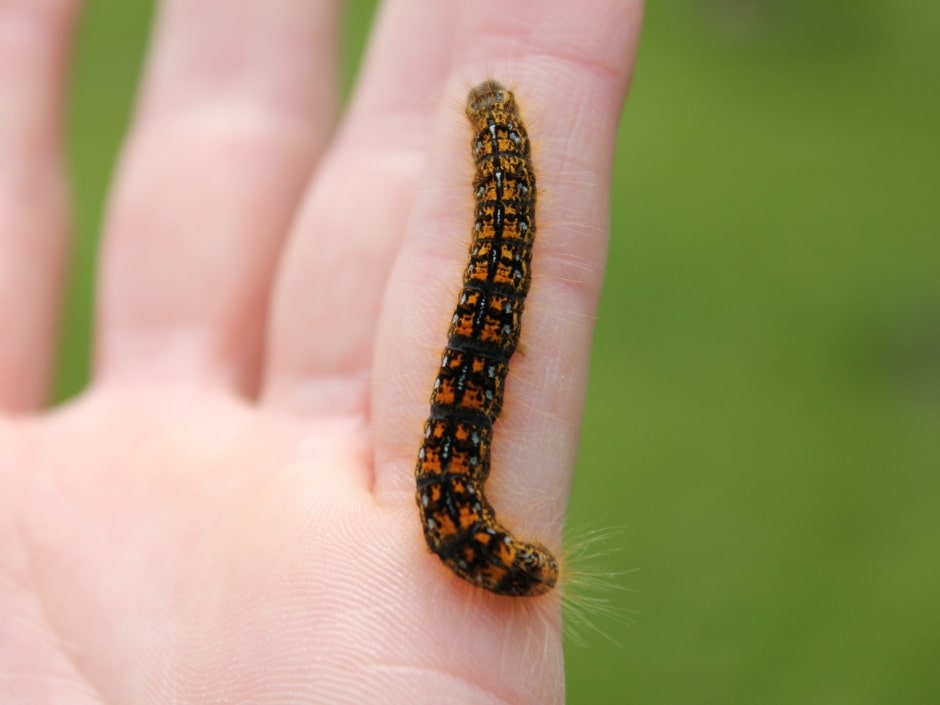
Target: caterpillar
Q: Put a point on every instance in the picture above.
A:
(459, 524)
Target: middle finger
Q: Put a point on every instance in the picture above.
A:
(330, 286)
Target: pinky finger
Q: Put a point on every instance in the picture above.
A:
(34, 38)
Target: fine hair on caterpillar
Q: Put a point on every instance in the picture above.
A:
(459, 523)
(590, 588)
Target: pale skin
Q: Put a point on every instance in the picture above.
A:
(227, 513)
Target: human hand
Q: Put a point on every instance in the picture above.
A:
(227, 513)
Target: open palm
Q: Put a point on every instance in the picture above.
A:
(227, 513)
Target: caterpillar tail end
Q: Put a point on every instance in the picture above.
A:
(534, 571)
(488, 556)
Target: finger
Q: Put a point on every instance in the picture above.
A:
(33, 219)
(237, 101)
(329, 289)
(569, 71)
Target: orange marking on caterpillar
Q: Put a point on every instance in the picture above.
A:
(459, 523)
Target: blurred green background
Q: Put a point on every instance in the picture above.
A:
(763, 428)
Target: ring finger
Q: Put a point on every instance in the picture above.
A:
(237, 101)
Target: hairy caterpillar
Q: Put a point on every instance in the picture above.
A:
(460, 525)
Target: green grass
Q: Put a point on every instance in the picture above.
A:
(764, 416)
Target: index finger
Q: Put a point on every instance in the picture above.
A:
(569, 71)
